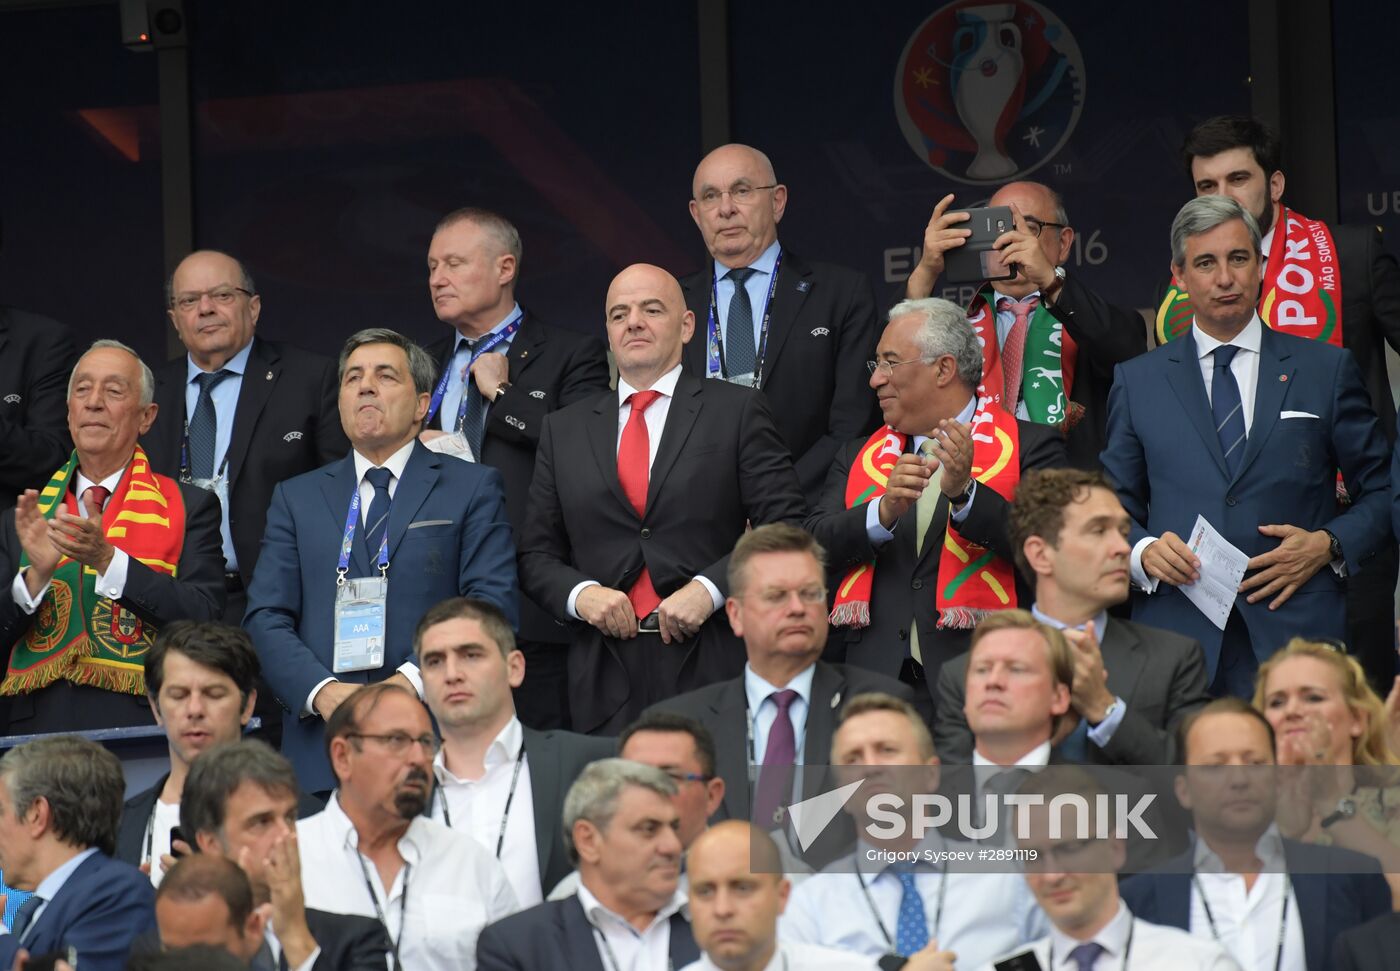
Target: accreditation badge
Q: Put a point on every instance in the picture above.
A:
(359, 624)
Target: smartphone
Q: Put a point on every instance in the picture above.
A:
(975, 260)
(650, 624)
(177, 834)
(1025, 961)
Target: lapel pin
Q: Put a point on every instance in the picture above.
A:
(1283, 377)
(836, 699)
(269, 375)
(803, 286)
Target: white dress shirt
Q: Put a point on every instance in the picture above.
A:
(878, 534)
(275, 947)
(478, 807)
(621, 947)
(792, 956)
(655, 417)
(448, 889)
(1247, 922)
(110, 584)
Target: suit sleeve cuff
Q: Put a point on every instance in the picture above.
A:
(310, 707)
(113, 583)
(571, 605)
(959, 513)
(1139, 575)
(1102, 733)
(19, 592)
(715, 595)
(874, 530)
(410, 671)
(310, 962)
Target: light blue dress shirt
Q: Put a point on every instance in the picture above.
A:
(1006, 319)
(452, 397)
(757, 286)
(49, 887)
(225, 396)
(764, 711)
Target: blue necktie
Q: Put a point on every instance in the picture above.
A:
(474, 418)
(377, 519)
(203, 431)
(1085, 955)
(740, 355)
(1227, 408)
(911, 928)
(24, 915)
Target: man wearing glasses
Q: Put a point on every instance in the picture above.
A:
(373, 852)
(1042, 315)
(766, 318)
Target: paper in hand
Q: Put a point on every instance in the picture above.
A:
(1222, 569)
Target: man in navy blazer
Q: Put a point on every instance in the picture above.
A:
(1228, 786)
(1245, 426)
(59, 802)
(441, 523)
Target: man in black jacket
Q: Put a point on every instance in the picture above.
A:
(36, 357)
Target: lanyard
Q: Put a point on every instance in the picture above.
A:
(714, 341)
(1282, 919)
(1127, 949)
(488, 344)
(185, 476)
(351, 521)
(884, 931)
(617, 965)
(505, 815)
(379, 911)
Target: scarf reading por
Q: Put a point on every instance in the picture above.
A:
(1302, 292)
(76, 634)
(972, 580)
(1047, 363)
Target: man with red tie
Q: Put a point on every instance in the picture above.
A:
(637, 500)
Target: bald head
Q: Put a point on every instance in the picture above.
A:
(736, 837)
(211, 301)
(737, 891)
(648, 323)
(736, 203)
(1042, 204)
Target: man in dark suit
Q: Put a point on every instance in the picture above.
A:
(501, 372)
(1369, 947)
(766, 318)
(941, 471)
(1228, 786)
(1132, 683)
(1040, 314)
(107, 553)
(620, 830)
(36, 357)
(637, 500)
(489, 762)
(1244, 426)
(389, 513)
(1239, 156)
(782, 711)
(59, 802)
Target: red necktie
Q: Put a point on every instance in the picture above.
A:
(95, 498)
(633, 464)
(1014, 348)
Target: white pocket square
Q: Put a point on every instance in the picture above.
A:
(430, 522)
(1296, 414)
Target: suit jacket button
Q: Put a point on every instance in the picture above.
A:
(646, 533)
(904, 635)
(917, 584)
(1230, 500)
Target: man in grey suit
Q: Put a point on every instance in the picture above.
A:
(1132, 683)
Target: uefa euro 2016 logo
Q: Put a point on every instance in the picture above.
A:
(987, 92)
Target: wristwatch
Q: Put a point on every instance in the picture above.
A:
(1334, 545)
(961, 498)
(1346, 809)
(1053, 290)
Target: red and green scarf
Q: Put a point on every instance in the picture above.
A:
(972, 580)
(1047, 364)
(76, 634)
(1302, 292)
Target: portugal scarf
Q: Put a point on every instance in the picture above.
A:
(76, 634)
(1302, 292)
(972, 580)
(1047, 363)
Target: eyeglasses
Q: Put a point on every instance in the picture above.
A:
(740, 192)
(223, 296)
(887, 367)
(777, 597)
(681, 778)
(1034, 226)
(397, 743)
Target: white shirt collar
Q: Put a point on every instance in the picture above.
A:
(1248, 339)
(1267, 243)
(461, 339)
(666, 384)
(1113, 937)
(1100, 620)
(594, 910)
(343, 828)
(1269, 850)
(394, 463)
(756, 690)
(238, 364)
(764, 264)
(1036, 758)
(82, 483)
(504, 748)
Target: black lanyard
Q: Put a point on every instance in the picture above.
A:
(185, 476)
(505, 815)
(379, 911)
(1282, 919)
(884, 931)
(612, 957)
(1127, 949)
(714, 340)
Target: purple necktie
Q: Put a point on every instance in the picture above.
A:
(775, 778)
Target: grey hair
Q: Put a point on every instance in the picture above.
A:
(501, 229)
(148, 378)
(420, 364)
(1204, 213)
(81, 781)
(944, 329)
(245, 281)
(595, 793)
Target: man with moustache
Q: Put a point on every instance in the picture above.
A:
(372, 851)
(502, 371)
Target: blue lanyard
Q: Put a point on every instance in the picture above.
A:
(351, 521)
(504, 334)
(714, 341)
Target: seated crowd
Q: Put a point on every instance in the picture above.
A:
(472, 657)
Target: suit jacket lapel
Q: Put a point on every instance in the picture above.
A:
(524, 347)
(170, 397)
(1270, 386)
(683, 949)
(259, 378)
(578, 935)
(731, 730)
(934, 538)
(1119, 646)
(419, 476)
(1190, 389)
(338, 484)
(602, 436)
(788, 298)
(543, 762)
(828, 689)
(1310, 893)
(685, 407)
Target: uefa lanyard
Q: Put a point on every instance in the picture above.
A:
(352, 520)
(612, 957)
(884, 931)
(714, 341)
(490, 343)
(1282, 919)
(185, 476)
(505, 816)
(379, 911)
(1127, 950)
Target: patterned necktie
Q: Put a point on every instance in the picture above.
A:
(473, 426)
(24, 915)
(377, 519)
(740, 355)
(95, 500)
(634, 473)
(779, 757)
(911, 927)
(1013, 350)
(1226, 406)
(203, 430)
(1085, 955)
(924, 509)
